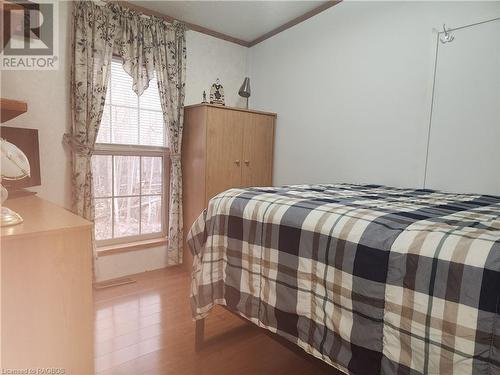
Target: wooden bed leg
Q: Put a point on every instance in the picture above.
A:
(199, 334)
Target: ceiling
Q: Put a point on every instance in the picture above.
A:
(244, 20)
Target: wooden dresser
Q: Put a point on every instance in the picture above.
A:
(46, 290)
(223, 148)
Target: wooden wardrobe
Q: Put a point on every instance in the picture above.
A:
(223, 148)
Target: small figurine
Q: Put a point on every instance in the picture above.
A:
(217, 93)
(204, 97)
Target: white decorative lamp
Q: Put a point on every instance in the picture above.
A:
(14, 165)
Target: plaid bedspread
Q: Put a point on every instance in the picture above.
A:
(370, 279)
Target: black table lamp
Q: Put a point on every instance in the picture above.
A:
(245, 89)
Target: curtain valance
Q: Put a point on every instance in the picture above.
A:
(134, 37)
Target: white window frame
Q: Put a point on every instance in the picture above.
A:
(108, 149)
(114, 149)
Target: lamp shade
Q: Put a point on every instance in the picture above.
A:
(15, 164)
(245, 88)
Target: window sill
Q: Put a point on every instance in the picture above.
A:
(130, 246)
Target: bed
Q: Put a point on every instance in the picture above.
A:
(367, 278)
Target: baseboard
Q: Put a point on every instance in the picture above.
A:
(113, 282)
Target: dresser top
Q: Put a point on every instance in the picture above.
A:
(230, 109)
(40, 216)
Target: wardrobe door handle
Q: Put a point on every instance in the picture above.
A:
(237, 162)
(247, 162)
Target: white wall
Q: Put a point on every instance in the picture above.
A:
(47, 95)
(210, 58)
(465, 131)
(352, 89)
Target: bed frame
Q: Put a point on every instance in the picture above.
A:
(201, 342)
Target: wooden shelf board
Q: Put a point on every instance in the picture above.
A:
(11, 108)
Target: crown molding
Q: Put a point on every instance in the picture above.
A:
(294, 22)
(190, 26)
(229, 38)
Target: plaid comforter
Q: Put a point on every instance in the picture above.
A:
(370, 279)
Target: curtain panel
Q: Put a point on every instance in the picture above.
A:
(147, 45)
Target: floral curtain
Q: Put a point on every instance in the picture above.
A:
(94, 32)
(170, 64)
(146, 45)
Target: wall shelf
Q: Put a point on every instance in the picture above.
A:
(11, 108)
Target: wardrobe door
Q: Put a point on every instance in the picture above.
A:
(258, 141)
(224, 145)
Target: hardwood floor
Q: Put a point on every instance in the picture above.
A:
(145, 328)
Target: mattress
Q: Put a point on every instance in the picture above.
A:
(370, 279)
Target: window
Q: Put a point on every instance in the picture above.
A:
(130, 164)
